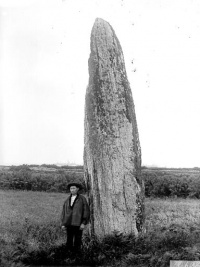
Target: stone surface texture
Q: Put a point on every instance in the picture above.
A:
(112, 153)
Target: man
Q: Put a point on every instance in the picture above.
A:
(75, 215)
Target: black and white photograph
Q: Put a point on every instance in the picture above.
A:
(99, 133)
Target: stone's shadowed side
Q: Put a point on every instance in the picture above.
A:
(112, 154)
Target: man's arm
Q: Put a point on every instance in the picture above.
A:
(86, 212)
(63, 214)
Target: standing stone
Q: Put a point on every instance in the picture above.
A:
(112, 154)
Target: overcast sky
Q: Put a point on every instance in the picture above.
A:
(44, 51)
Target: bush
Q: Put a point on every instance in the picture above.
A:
(162, 184)
(24, 178)
(158, 183)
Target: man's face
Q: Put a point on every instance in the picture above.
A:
(74, 189)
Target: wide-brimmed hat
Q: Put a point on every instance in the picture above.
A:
(74, 184)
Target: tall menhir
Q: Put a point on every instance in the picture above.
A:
(112, 154)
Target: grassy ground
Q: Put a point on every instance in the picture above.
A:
(15, 206)
(30, 233)
(39, 207)
(164, 212)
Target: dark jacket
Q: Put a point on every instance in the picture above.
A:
(76, 214)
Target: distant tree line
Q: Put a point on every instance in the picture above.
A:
(52, 178)
(158, 184)
(25, 178)
(48, 166)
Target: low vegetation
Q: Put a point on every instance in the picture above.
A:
(45, 178)
(172, 183)
(30, 234)
(159, 182)
(31, 199)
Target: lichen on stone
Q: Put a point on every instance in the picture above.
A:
(112, 153)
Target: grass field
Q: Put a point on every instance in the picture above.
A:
(164, 212)
(40, 207)
(15, 206)
(30, 229)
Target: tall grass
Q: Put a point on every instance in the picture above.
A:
(30, 234)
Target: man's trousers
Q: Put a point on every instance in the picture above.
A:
(74, 238)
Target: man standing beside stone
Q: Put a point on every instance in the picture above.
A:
(75, 216)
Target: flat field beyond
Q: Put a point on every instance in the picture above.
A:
(16, 207)
(30, 233)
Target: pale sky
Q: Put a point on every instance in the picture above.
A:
(44, 51)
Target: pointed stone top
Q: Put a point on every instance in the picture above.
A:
(100, 23)
(99, 20)
(102, 30)
(104, 39)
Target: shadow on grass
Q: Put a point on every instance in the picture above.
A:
(57, 256)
